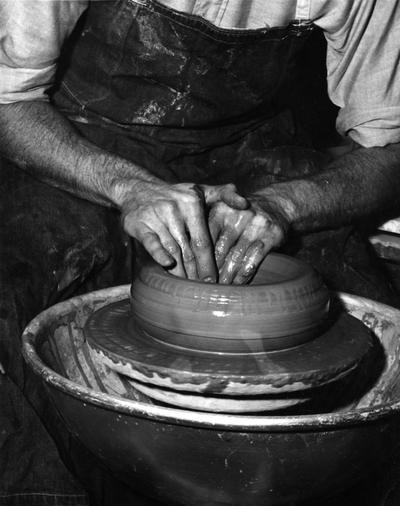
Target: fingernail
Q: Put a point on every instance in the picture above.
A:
(209, 279)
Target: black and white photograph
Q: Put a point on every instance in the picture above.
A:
(199, 252)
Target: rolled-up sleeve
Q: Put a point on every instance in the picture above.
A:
(364, 70)
(31, 35)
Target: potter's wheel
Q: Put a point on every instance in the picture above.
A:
(126, 348)
(250, 380)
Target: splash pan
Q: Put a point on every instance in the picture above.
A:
(189, 458)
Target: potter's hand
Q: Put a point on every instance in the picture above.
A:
(243, 238)
(170, 222)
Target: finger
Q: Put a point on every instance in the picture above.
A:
(160, 231)
(227, 193)
(172, 218)
(151, 242)
(224, 244)
(215, 223)
(215, 228)
(233, 261)
(234, 200)
(257, 250)
(200, 241)
(172, 247)
(235, 224)
(251, 261)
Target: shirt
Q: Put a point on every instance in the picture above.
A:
(363, 50)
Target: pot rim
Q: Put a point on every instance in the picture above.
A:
(178, 416)
(304, 270)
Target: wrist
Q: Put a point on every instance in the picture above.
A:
(280, 198)
(125, 188)
(122, 190)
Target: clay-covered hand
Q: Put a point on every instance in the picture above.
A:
(243, 238)
(170, 222)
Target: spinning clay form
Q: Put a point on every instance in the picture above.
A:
(228, 348)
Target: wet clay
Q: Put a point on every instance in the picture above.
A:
(282, 307)
(203, 346)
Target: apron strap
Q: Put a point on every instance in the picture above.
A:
(303, 10)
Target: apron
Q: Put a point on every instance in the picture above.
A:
(189, 102)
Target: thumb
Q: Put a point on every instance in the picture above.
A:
(226, 193)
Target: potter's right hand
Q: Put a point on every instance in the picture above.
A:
(170, 222)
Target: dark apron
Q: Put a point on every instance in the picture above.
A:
(189, 102)
(175, 94)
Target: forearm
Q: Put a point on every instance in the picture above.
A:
(169, 220)
(355, 186)
(39, 139)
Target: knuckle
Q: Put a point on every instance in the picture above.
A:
(229, 187)
(219, 205)
(236, 256)
(169, 206)
(172, 248)
(146, 213)
(183, 187)
(193, 195)
(262, 221)
(180, 186)
(200, 244)
(134, 229)
(192, 198)
(147, 207)
(258, 245)
(151, 244)
(221, 246)
(220, 209)
(250, 268)
(229, 236)
(149, 235)
(188, 257)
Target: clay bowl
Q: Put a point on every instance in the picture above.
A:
(188, 458)
(285, 305)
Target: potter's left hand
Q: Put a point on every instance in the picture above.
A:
(242, 238)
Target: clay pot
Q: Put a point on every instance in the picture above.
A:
(284, 306)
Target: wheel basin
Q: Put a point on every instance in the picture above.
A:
(194, 458)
